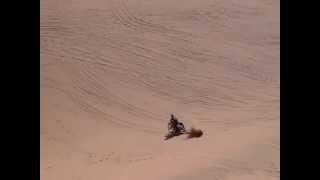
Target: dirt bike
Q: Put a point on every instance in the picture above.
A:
(180, 129)
(175, 131)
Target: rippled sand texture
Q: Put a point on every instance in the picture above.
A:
(112, 72)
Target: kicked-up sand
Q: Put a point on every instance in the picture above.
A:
(112, 72)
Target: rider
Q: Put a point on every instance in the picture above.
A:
(175, 125)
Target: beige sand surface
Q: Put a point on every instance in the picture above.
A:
(112, 72)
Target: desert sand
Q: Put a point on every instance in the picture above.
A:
(112, 72)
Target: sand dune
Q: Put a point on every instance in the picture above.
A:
(112, 72)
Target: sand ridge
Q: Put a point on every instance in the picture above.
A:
(112, 72)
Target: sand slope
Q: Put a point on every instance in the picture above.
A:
(112, 72)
